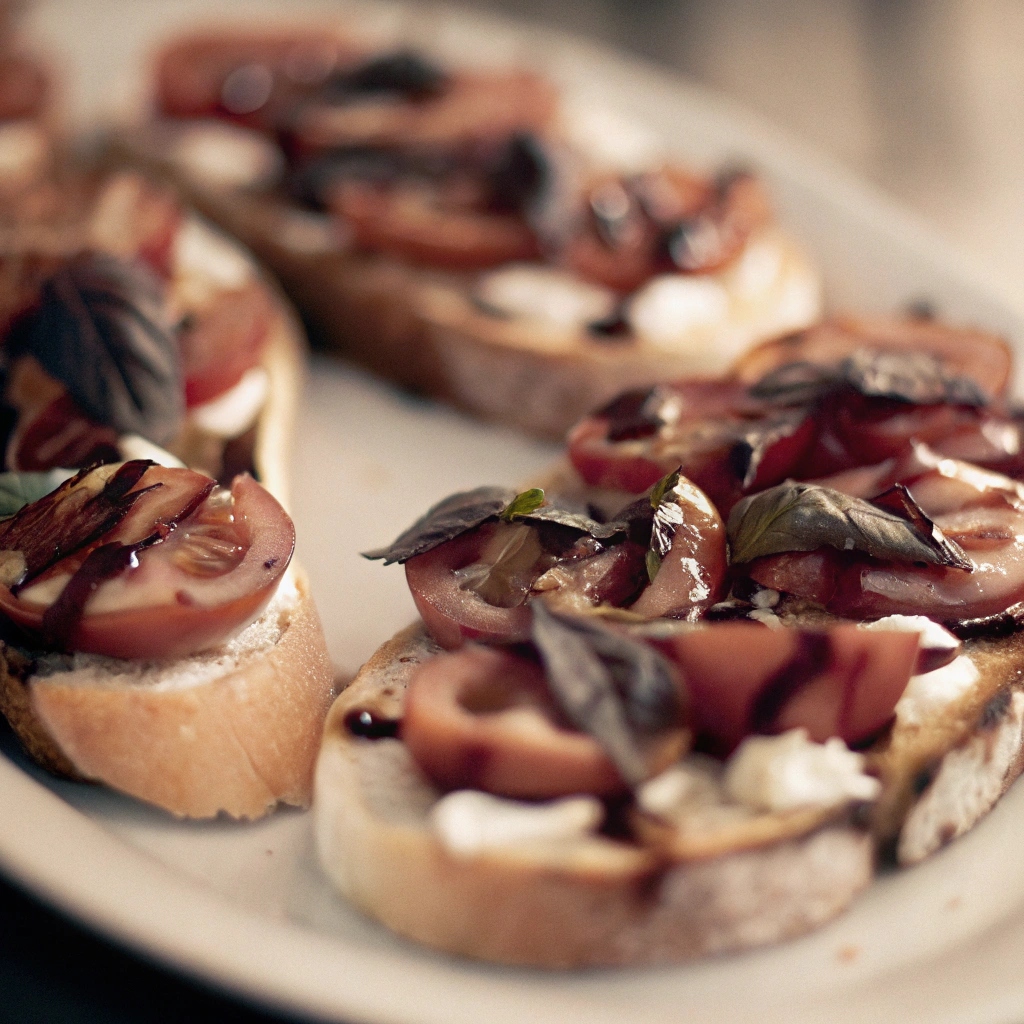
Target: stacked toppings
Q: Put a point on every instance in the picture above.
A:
(470, 170)
(829, 454)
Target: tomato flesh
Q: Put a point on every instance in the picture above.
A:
(745, 678)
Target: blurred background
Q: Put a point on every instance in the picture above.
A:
(923, 98)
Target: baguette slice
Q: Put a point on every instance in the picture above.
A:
(234, 730)
(424, 328)
(586, 902)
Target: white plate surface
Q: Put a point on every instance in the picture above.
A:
(244, 906)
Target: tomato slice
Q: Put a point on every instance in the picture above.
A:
(745, 678)
(224, 340)
(60, 435)
(452, 613)
(181, 572)
(275, 67)
(710, 429)
(983, 357)
(24, 87)
(402, 223)
(482, 718)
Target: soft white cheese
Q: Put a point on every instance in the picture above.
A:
(757, 271)
(778, 773)
(225, 155)
(670, 306)
(132, 446)
(207, 262)
(543, 294)
(469, 822)
(235, 411)
(933, 636)
(23, 148)
(693, 781)
(930, 693)
(765, 598)
(766, 616)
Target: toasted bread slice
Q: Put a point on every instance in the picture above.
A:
(590, 901)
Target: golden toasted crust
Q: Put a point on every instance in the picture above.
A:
(592, 901)
(237, 743)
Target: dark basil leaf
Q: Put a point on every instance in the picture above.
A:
(804, 517)
(448, 519)
(758, 438)
(913, 376)
(799, 383)
(618, 690)
(519, 175)
(576, 521)
(916, 377)
(103, 331)
(668, 517)
(637, 414)
(404, 72)
(20, 489)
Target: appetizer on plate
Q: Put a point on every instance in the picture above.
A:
(756, 631)
(154, 635)
(437, 226)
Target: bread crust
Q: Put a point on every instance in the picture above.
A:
(421, 328)
(590, 902)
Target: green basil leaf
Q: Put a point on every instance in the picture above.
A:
(523, 504)
(619, 690)
(804, 517)
(20, 489)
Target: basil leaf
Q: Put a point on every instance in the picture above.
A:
(637, 414)
(523, 504)
(618, 690)
(916, 377)
(804, 517)
(20, 489)
(448, 519)
(758, 438)
(668, 517)
(102, 330)
(576, 521)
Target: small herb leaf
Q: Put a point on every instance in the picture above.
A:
(617, 689)
(523, 504)
(804, 517)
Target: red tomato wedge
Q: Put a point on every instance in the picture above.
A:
(61, 435)
(402, 223)
(184, 566)
(452, 613)
(224, 341)
(709, 429)
(192, 72)
(983, 357)
(745, 678)
(482, 718)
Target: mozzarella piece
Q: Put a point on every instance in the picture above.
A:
(207, 262)
(692, 782)
(469, 822)
(930, 693)
(226, 155)
(669, 307)
(779, 773)
(542, 294)
(133, 446)
(757, 271)
(23, 150)
(237, 409)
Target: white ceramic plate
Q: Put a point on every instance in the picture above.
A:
(244, 906)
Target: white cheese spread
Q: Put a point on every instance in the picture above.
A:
(133, 446)
(218, 154)
(545, 295)
(469, 822)
(778, 773)
(671, 306)
(236, 410)
(930, 693)
(207, 262)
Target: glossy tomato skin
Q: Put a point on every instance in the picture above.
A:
(744, 678)
(173, 602)
(463, 724)
(60, 434)
(224, 341)
(452, 614)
